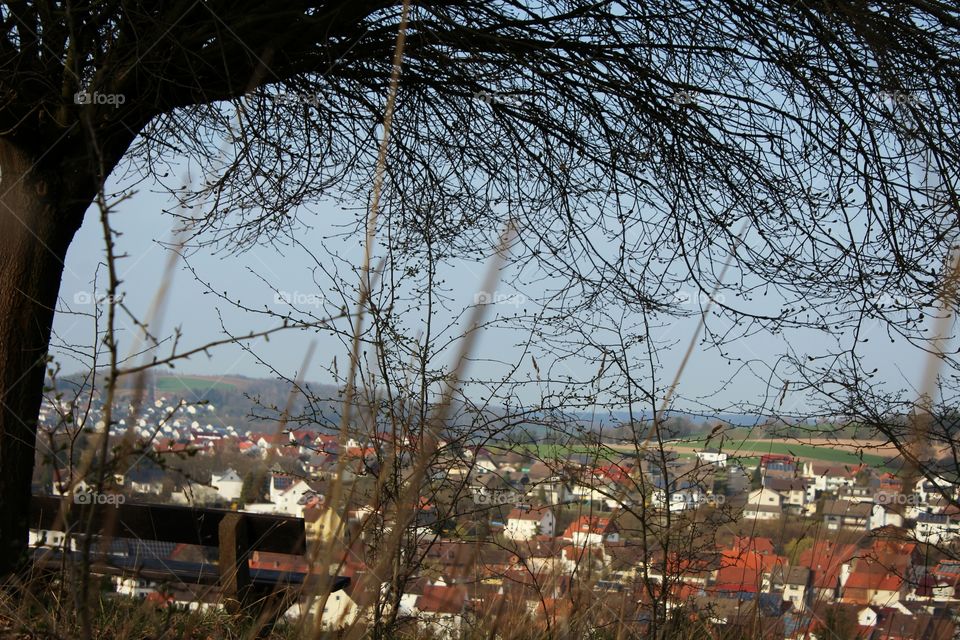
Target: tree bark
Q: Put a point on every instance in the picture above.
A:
(35, 230)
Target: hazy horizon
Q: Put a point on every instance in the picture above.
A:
(243, 276)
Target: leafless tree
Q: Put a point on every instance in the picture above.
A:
(805, 149)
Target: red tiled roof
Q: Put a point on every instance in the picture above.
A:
(760, 545)
(826, 555)
(528, 514)
(442, 599)
(751, 559)
(590, 524)
(873, 581)
(740, 579)
(271, 438)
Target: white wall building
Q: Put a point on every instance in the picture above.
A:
(228, 484)
(936, 528)
(134, 587)
(717, 458)
(763, 504)
(882, 517)
(526, 524)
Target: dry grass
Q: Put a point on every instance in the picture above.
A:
(119, 618)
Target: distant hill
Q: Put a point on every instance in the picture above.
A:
(258, 403)
(251, 402)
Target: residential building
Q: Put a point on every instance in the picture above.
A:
(714, 457)
(134, 587)
(937, 528)
(795, 582)
(838, 514)
(228, 484)
(441, 610)
(763, 504)
(882, 515)
(796, 497)
(527, 523)
(830, 477)
(591, 531)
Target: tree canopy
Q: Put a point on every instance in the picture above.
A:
(808, 150)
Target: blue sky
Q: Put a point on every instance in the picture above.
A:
(144, 228)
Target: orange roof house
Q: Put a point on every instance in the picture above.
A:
(583, 526)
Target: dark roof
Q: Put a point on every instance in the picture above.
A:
(797, 576)
(785, 484)
(933, 518)
(845, 508)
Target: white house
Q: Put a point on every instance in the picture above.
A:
(592, 491)
(279, 483)
(290, 494)
(148, 481)
(195, 494)
(867, 617)
(929, 490)
(554, 489)
(133, 586)
(828, 477)
(526, 524)
(340, 610)
(882, 517)
(795, 585)
(763, 504)
(796, 496)
(46, 538)
(228, 484)
(485, 465)
(712, 456)
(936, 528)
(680, 499)
(440, 610)
(851, 515)
(591, 531)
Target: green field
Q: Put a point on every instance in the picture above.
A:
(561, 451)
(548, 451)
(806, 451)
(750, 448)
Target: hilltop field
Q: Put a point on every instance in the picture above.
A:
(874, 453)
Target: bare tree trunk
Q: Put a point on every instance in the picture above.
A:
(35, 231)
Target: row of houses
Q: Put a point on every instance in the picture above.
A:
(857, 498)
